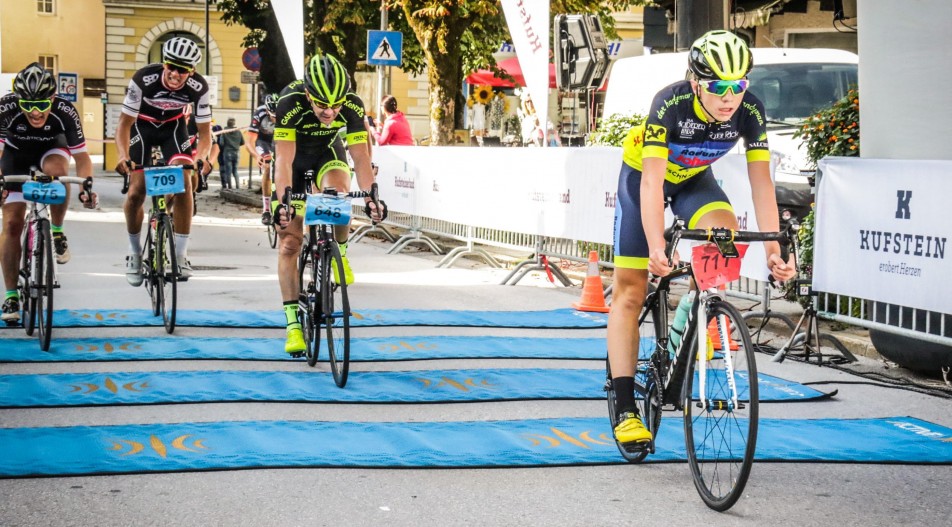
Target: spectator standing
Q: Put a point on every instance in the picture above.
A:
(216, 150)
(394, 130)
(231, 140)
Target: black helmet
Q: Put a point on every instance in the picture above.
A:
(720, 55)
(34, 83)
(325, 80)
(271, 102)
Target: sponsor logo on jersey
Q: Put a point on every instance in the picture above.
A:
(166, 104)
(134, 94)
(655, 132)
(353, 106)
(671, 102)
(193, 84)
(292, 112)
(727, 135)
(752, 108)
(149, 79)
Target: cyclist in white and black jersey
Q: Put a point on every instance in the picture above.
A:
(37, 129)
(260, 143)
(153, 125)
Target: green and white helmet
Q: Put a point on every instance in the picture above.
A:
(720, 55)
(325, 80)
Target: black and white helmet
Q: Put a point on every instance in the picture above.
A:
(181, 51)
(34, 83)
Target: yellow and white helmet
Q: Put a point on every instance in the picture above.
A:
(720, 55)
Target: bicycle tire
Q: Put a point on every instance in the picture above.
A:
(166, 273)
(44, 284)
(25, 279)
(336, 314)
(721, 439)
(272, 236)
(308, 305)
(147, 256)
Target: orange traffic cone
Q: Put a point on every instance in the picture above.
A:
(716, 337)
(593, 294)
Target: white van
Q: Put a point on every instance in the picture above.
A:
(792, 83)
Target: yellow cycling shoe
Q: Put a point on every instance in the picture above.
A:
(630, 429)
(294, 344)
(348, 273)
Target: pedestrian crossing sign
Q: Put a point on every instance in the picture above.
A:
(384, 48)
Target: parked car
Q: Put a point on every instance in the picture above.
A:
(793, 83)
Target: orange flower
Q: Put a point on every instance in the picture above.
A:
(850, 140)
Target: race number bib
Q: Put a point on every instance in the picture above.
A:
(52, 193)
(164, 180)
(327, 210)
(713, 270)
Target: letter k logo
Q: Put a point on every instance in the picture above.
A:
(902, 204)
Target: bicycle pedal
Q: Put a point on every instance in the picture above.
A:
(182, 278)
(296, 355)
(637, 448)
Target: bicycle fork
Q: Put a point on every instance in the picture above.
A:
(731, 402)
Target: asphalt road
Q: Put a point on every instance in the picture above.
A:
(240, 274)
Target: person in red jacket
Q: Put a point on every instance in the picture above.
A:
(394, 130)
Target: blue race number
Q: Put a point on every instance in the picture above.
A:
(164, 180)
(52, 193)
(327, 210)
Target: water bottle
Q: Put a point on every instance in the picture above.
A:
(680, 320)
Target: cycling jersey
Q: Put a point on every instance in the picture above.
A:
(296, 120)
(676, 129)
(262, 124)
(148, 99)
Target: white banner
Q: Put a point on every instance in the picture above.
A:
(882, 230)
(528, 22)
(290, 15)
(561, 192)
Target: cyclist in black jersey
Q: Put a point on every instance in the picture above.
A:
(37, 129)
(690, 125)
(152, 126)
(311, 114)
(260, 144)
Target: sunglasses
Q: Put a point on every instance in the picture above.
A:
(719, 87)
(39, 106)
(321, 106)
(181, 70)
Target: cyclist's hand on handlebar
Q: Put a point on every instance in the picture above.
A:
(781, 270)
(124, 167)
(658, 264)
(87, 197)
(376, 214)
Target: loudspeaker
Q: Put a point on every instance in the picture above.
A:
(581, 52)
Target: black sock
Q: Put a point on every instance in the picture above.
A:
(624, 394)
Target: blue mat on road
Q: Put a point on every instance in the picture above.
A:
(556, 318)
(361, 349)
(419, 386)
(123, 449)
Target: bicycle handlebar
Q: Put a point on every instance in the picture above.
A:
(135, 167)
(289, 196)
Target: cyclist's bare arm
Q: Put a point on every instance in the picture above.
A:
(250, 141)
(652, 213)
(284, 155)
(204, 146)
(768, 219)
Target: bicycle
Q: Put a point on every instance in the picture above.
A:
(160, 267)
(272, 230)
(37, 274)
(322, 302)
(720, 410)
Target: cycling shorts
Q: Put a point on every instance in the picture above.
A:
(153, 142)
(264, 148)
(690, 200)
(320, 161)
(18, 162)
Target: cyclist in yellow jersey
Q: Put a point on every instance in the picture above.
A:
(310, 114)
(691, 124)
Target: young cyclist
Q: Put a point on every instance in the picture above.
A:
(310, 115)
(37, 129)
(260, 145)
(153, 122)
(690, 125)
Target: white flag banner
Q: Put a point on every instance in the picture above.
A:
(290, 14)
(528, 22)
(882, 231)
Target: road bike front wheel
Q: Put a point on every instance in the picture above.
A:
(336, 314)
(308, 305)
(272, 236)
(25, 278)
(44, 284)
(166, 272)
(721, 408)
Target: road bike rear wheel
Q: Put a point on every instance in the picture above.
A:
(721, 436)
(272, 236)
(647, 384)
(336, 314)
(166, 273)
(25, 279)
(44, 284)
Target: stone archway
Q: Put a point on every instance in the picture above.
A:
(179, 24)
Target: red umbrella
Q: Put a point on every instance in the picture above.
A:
(510, 66)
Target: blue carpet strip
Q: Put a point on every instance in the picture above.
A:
(264, 349)
(123, 449)
(556, 318)
(419, 386)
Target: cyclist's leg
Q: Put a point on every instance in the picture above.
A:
(703, 203)
(172, 139)
(289, 248)
(55, 163)
(335, 173)
(264, 150)
(14, 215)
(628, 295)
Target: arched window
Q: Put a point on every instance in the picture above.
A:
(155, 52)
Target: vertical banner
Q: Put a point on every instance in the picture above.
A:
(290, 14)
(882, 231)
(528, 22)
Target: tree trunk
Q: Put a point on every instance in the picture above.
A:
(443, 77)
